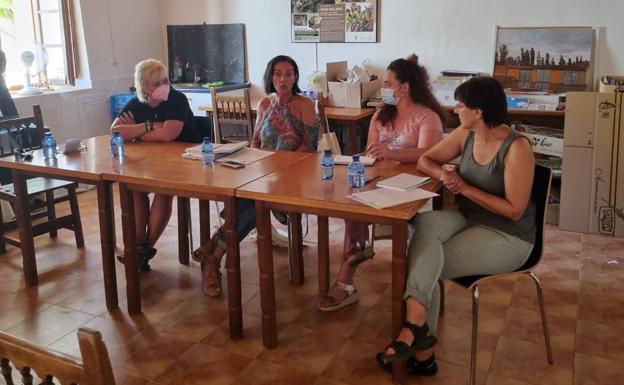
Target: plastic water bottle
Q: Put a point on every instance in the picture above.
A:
(327, 165)
(355, 173)
(117, 145)
(48, 145)
(207, 152)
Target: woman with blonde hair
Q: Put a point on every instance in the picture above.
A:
(158, 113)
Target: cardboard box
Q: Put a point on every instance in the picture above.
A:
(351, 95)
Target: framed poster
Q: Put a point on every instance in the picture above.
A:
(550, 59)
(333, 21)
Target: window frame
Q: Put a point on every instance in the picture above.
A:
(65, 10)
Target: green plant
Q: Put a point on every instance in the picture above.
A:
(6, 9)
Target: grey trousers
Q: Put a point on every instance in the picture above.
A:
(446, 246)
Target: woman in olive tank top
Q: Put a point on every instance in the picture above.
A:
(492, 232)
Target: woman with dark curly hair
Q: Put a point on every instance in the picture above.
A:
(409, 123)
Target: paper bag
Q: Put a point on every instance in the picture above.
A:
(327, 139)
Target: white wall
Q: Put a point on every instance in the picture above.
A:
(449, 34)
(113, 35)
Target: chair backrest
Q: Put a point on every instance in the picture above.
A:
(541, 189)
(323, 123)
(231, 111)
(94, 369)
(21, 133)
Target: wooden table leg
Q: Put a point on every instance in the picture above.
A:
(24, 225)
(184, 206)
(352, 147)
(204, 221)
(323, 255)
(267, 281)
(107, 229)
(133, 282)
(295, 248)
(233, 269)
(399, 278)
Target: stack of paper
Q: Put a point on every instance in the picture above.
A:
(346, 159)
(246, 155)
(219, 148)
(403, 182)
(382, 198)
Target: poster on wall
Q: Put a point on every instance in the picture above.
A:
(549, 59)
(333, 21)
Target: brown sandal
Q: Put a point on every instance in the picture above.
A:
(204, 252)
(211, 277)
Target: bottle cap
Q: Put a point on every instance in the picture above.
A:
(356, 157)
(328, 151)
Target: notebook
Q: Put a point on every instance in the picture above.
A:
(246, 155)
(346, 159)
(219, 148)
(381, 198)
(403, 182)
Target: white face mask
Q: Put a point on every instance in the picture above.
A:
(387, 96)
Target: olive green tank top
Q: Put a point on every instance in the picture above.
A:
(489, 178)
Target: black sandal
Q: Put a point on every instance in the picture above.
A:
(424, 368)
(423, 339)
(144, 254)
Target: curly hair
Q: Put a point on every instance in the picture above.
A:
(408, 70)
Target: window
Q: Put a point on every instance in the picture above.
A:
(43, 27)
(543, 79)
(571, 77)
(525, 79)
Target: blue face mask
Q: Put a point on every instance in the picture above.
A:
(387, 96)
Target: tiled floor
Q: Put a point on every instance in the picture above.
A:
(181, 337)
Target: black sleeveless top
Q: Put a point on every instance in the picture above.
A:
(489, 178)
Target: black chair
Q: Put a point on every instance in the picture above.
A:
(541, 188)
(24, 135)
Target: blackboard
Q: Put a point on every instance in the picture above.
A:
(215, 52)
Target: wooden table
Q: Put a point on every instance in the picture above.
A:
(84, 167)
(350, 117)
(299, 188)
(158, 167)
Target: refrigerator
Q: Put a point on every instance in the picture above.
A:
(592, 179)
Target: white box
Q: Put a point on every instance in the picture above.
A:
(547, 145)
(348, 94)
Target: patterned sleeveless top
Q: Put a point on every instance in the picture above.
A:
(283, 131)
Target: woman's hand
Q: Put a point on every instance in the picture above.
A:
(379, 151)
(126, 118)
(452, 180)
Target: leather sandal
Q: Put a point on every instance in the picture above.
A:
(362, 251)
(204, 252)
(423, 339)
(211, 278)
(414, 367)
(334, 303)
(145, 252)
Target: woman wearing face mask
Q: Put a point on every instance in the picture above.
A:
(158, 113)
(286, 122)
(409, 123)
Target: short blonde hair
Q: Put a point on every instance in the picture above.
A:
(145, 70)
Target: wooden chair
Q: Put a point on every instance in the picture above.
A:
(541, 188)
(23, 138)
(231, 111)
(93, 369)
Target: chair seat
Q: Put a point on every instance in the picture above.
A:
(35, 186)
